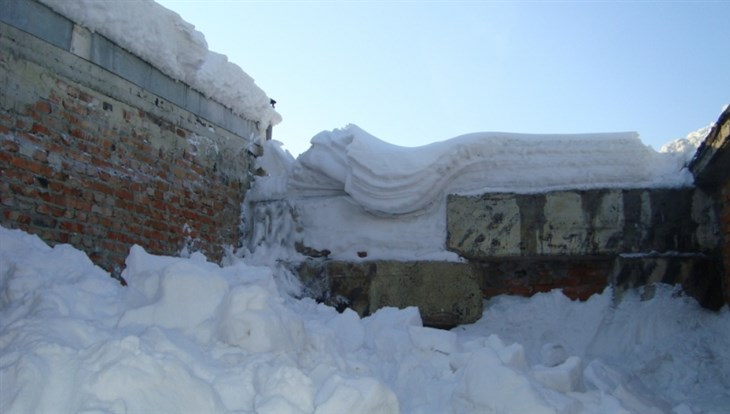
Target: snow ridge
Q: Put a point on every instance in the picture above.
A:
(388, 179)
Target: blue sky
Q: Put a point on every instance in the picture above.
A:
(415, 72)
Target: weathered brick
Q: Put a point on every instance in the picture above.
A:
(99, 179)
(73, 227)
(39, 129)
(9, 146)
(40, 155)
(43, 106)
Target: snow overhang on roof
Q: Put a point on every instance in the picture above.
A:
(711, 163)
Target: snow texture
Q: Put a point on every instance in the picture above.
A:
(388, 179)
(687, 146)
(351, 192)
(172, 45)
(189, 336)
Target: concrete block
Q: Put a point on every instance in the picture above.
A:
(165, 87)
(102, 52)
(447, 294)
(81, 42)
(488, 225)
(192, 101)
(38, 20)
(581, 223)
(565, 230)
(212, 112)
(131, 68)
(607, 219)
(699, 276)
(705, 215)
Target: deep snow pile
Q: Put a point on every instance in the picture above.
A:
(162, 38)
(189, 336)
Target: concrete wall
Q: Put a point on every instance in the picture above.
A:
(581, 223)
(582, 241)
(522, 244)
(724, 196)
(711, 167)
(446, 293)
(101, 150)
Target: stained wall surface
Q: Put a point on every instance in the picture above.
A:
(711, 167)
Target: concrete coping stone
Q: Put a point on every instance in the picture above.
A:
(40, 21)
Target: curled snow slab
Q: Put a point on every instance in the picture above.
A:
(172, 45)
(389, 179)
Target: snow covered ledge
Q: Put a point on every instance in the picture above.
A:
(592, 200)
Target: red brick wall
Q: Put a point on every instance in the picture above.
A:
(79, 167)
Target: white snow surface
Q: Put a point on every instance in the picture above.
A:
(354, 194)
(162, 38)
(687, 146)
(388, 179)
(187, 335)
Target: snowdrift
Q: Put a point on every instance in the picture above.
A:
(190, 336)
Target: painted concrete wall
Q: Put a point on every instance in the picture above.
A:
(582, 223)
(100, 150)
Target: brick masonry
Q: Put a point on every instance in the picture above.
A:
(91, 159)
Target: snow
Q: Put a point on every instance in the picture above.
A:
(388, 179)
(163, 39)
(351, 192)
(187, 335)
(687, 146)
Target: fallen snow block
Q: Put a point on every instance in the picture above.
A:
(613, 383)
(432, 339)
(284, 389)
(355, 396)
(252, 320)
(140, 380)
(513, 355)
(565, 377)
(187, 294)
(552, 355)
(349, 329)
(488, 385)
